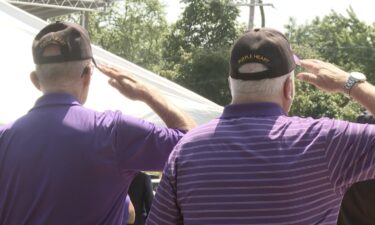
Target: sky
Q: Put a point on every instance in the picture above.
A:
(303, 10)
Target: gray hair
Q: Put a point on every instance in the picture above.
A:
(257, 89)
(61, 74)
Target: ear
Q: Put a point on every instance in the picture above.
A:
(289, 89)
(34, 79)
(86, 75)
(229, 83)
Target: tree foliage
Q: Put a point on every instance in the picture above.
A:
(344, 41)
(205, 71)
(206, 24)
(196, 51)
(133, 29)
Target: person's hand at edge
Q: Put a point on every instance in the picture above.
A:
(323, 75)
(330, 78)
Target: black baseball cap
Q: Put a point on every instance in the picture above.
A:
(266, 46)
(73, 40)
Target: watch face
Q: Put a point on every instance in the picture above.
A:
(358, 76)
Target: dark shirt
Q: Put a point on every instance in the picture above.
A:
(141, 195)
(358, 205)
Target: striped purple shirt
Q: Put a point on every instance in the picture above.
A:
(255, 165)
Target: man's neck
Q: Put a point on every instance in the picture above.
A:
(74, 93)
(277, 101)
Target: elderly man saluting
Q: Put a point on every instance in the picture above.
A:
(257, 165)
(63, 163)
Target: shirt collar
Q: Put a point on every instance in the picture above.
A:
(252, 110)
(56, 99)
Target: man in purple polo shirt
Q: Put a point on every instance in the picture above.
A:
(255, 164)
(63, 163)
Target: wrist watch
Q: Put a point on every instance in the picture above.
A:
(354, 78)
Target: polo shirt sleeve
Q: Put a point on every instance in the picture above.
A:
(350, 153)
(165, 208)
(141, 145)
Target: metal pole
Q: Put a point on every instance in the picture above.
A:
(251, 14)
(252, 5)
(86, 22)
(82, 19)
(262, 13)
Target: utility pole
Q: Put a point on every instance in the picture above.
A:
(250, 25)
(84, 19)
(251, 6)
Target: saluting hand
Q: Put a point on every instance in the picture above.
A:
(325, 76)
(126, 83)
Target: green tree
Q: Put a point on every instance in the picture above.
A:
(344, 41)
(196, 49)
(133, 29)
(205, 71)
(206, 24)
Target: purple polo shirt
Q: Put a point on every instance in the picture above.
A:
(255, 165)
(65, 164)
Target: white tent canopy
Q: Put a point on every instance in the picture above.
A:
(18, 95)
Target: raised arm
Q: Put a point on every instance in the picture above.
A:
(330, 78)
(134, 89)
